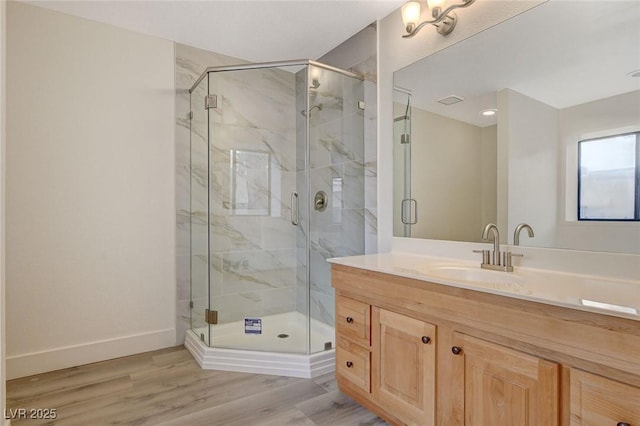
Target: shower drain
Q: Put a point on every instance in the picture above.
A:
(282, 336)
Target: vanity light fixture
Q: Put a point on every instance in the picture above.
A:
(443, 18)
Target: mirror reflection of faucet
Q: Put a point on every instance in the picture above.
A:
(500, 261)
(519, 228)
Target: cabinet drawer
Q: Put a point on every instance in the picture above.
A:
(597, 401)
(353, 362)
(353, 320)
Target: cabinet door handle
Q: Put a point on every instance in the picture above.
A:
(350, 320)
(349, 364)
(457, 350)
(426, 339)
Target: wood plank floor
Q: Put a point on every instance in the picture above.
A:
(167, 387)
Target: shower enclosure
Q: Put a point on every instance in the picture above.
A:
(277, 187)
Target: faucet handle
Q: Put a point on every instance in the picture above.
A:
(507, 257)
(485, 256)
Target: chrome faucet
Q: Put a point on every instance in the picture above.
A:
(519, 228)
(497, 262)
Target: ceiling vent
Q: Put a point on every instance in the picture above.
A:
(451, 99)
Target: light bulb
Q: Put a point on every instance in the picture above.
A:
(435, 4)
(410, 15)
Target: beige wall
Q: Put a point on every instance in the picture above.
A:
(531, 135)
(453, 195)
(90, 191)
(489, 185)
(3, 131)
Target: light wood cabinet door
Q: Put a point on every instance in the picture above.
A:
(404, 351)
(502, 386)
(597, 401)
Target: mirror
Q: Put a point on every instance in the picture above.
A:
(558, 74)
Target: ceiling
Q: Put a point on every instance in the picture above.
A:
(562, 53)
(257, 31)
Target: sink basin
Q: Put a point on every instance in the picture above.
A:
(476, 275)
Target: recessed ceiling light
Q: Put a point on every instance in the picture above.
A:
(635, 73)
(451, 99)
(489, 112)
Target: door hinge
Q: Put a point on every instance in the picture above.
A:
(210, 101)
(191, 304)
(190, 115)
(210, 317)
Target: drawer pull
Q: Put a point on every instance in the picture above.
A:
(457, 350)
(426, 339)
(350, 320)
(349, 364)
(623, 424)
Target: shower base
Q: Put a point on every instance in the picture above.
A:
(266, 353)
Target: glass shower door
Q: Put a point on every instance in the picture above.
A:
(199, 207)
(256, 210)
(336, 188)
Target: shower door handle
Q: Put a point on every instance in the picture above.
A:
(411, 212)
(294, 206)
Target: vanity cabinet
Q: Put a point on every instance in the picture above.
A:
(423, 353)
(501, 386)
(404, 360)
(597, 401)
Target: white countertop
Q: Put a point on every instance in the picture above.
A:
(591, 293)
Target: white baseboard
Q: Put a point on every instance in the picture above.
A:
(71, 356)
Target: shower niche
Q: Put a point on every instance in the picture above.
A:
(265, 139)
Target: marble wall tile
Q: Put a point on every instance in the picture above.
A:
(235, 307)
(277, 232)
(259, 98)
(371, 231)
(233, 233)
(322, 306)
(258, 270)
(199, 277)
(279, 300)
(183, 239)
(198, 228)
(358, 55)
(278, 144)
(183, 276)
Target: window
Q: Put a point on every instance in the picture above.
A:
(609, 178)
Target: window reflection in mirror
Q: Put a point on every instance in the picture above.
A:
(607, 180)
